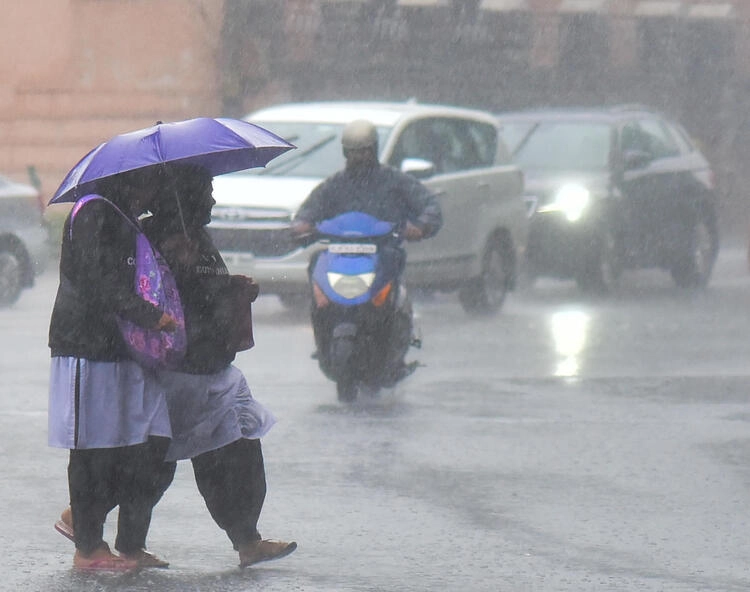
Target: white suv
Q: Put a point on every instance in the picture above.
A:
(456, 153)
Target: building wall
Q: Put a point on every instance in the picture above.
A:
(74, 72)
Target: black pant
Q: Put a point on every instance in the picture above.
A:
(131, 477)
(232, 481)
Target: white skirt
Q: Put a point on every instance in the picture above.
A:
(119, 404)
(208, 411)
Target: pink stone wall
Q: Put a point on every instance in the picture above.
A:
(75, 72)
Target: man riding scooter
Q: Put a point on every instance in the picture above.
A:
(365, 185)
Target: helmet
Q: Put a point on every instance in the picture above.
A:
(359, 134)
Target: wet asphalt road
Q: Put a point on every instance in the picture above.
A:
(569, 444)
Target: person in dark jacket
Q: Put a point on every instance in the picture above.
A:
(215, 420)
(103, 406)
(366, 185)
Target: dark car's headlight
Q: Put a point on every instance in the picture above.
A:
(571, 200)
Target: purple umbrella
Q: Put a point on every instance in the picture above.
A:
(219, 145)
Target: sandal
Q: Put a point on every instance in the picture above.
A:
(264, 550)
(141, 557)
(145, 559)
(102, 559)
(65, 525)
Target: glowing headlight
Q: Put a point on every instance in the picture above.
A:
(350, 286)
(572, 200)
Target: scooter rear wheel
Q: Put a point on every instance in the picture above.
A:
(346, 390)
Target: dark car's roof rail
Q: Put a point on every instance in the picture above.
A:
(580, 110)
(631, 107)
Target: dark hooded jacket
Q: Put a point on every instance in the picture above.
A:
(97, 283)
(203, 281)
(383, 192)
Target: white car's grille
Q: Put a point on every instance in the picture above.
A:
(259, 242)
(261, 232)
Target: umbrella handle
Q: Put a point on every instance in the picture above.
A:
(177, 199)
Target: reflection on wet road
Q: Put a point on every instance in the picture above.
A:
(570, 443)
(569, 332)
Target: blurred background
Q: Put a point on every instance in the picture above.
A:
(75, 72)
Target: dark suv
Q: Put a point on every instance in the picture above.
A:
(611, 189)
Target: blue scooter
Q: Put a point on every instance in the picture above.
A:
(361, 315)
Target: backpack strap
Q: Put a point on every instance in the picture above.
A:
(95, 196)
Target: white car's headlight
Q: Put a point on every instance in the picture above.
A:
(571, 199)
(350, 286)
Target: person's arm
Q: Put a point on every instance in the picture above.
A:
(425, 216)
(312, 210)
(301, 227)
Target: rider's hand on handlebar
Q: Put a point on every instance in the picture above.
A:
(303, 233)
(301, 228)
(412, 232)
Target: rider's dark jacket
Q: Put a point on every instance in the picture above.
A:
(382, 191)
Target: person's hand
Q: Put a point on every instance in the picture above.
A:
(412, 232)
(249, 284)
(301, 228)
(166, 323)
(303, 233)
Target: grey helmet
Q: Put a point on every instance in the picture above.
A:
(359, 134)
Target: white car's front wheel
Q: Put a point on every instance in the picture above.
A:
(486, 294)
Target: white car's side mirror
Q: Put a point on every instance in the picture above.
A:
(419, 167)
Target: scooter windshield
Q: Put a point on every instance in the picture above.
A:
(354, 225)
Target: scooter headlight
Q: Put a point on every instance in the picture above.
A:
(571, 200)
(350, 286)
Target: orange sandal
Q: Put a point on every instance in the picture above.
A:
(145, 559)
(102, 559)
(65, 525)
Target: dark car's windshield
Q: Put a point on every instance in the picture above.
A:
(318, 152)
(558, 145)
(515, 132)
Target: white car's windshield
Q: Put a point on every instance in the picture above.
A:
(318, 152)
(575, 145)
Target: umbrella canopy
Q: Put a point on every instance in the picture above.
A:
(220, 145)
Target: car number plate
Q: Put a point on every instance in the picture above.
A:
(352, 248)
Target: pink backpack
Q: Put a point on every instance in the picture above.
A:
(154, 283)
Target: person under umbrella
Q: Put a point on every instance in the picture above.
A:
(215, 420)
(103, 407)
(126, 169)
